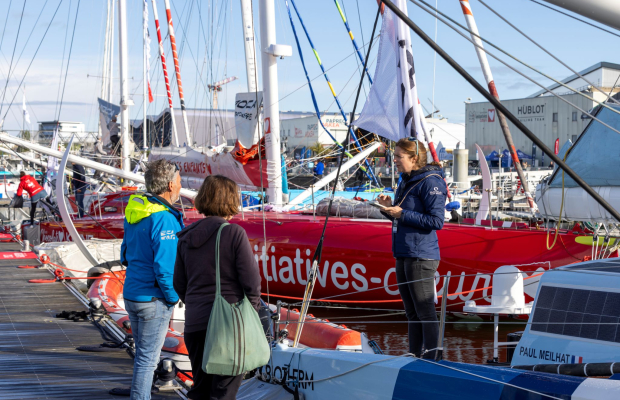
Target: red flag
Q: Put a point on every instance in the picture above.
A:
(150, 93)
(556, 149)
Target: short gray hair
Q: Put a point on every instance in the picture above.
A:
(158, 175)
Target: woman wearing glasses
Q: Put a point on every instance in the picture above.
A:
(416, 213)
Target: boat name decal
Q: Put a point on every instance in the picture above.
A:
(283, 374)
(289, 270)
(548, 355)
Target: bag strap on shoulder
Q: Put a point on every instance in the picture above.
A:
(218, 291)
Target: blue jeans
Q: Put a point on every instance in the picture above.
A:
(149, 324)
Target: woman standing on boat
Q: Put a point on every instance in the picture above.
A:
(195, 279)
(416, 214)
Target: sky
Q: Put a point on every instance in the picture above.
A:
(210, 42)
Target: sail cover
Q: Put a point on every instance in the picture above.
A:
(392, 108)
(594, 156)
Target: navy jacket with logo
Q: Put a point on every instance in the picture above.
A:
(423, 213)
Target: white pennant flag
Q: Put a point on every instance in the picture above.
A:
(25, 110)
(52, 164)
(392, 109)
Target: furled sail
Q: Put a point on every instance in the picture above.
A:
(392, 108)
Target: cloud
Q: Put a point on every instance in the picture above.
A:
(52, 103)
(521, 84)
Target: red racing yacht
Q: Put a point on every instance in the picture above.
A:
(357, 267)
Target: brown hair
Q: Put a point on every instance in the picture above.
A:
(409, 147)
(218, 196)
(22, 173)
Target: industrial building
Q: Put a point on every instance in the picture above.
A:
(209, 127)
(66, 129)
(305, 132)
(549, 117)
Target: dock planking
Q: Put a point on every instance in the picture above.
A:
(37, 350)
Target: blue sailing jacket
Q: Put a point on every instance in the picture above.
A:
(149, 248)
(422, 196)
(319, 169)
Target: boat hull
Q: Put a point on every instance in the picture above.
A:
(357, 266)
(322, 374)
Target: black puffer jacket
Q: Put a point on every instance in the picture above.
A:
(194, 271)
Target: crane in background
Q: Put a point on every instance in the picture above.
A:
(217, 87)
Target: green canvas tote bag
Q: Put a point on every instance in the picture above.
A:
(235, 341)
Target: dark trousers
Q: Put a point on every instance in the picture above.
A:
(79, 199)
(208, 386)
(419, 301)
(33, 211)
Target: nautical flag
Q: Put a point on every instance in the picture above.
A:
(52, 164)
(147, 45)
(392, 109)
(25, 110)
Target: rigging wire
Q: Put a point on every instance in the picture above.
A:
(8, 75)
(316, 258)
(68, 60)
(62, 62)
(8, 11)
(34, 56)
(514, 58)
(521, 73)
(369, 173)
(182, 153)
(24, 49)
(578, 19)
(314, 102)
(549, 53)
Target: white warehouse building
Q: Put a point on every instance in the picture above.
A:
(547, 116)
(301, 132)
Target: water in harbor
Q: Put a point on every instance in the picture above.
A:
(466, 340)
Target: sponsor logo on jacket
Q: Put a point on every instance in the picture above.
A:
(435, 191)
(168, 235)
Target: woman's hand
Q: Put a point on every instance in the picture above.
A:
(394, 212)
(384, 200)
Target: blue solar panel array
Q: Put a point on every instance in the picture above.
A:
(588, 314)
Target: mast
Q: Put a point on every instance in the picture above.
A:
(175, 56)
(271, 109)
(125, 101)
(145, 78)
(106, 56)
(110, 82)
(248, 40)
(163, 65)
(486, 69)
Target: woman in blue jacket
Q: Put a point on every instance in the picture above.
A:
(416, 214)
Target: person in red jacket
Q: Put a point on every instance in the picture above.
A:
(35, 191)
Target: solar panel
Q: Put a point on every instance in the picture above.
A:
(588, 314)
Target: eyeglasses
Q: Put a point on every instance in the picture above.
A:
(176, 166)
(412, 139)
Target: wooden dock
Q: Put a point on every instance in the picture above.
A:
(38, 352)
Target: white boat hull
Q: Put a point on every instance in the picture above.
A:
(578, 205)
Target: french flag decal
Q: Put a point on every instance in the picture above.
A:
(578, 359)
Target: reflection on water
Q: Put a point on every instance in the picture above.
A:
(467, 340)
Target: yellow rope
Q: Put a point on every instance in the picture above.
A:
(557, 227)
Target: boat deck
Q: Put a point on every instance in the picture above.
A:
(38, 351)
